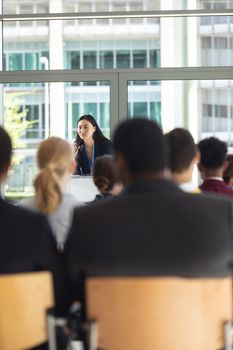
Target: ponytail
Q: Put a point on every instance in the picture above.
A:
(102, 183)
(48, 191)
(53, 157)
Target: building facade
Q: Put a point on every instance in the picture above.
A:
(115, 44)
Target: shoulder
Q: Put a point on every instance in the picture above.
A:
(21, 215)
(211, 202)
(28, 203)
(104, 144)
(98, 208)
(103, 141)
(70, 200)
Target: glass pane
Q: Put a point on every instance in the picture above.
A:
(45, 6)
(25, 7)
(123, 59)
(67, 44)
(170, 42)
(204, 107)
(144, 100)
(70, 6)
(34, 111)
(25, 121)
(29, 49)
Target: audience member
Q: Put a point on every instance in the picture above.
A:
(89, 144)
(27, 243)
(152, 227)
(228, 173)
(183, 155)
(212, 165)
(106, 177)
(56, 164)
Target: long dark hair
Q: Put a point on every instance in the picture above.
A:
(97, 136)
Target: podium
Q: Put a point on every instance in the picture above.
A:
(82, 187)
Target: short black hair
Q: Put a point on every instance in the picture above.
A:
(142, 144)
(213, 152)
(5, 149)
(182, 149)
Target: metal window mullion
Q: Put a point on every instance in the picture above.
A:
(114, 14)
(229, 114)
(123, 96)
(192, 73)
(213, 95)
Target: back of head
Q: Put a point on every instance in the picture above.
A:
(213, 152)
(142, 145)
(105, 173)
(182, 149)
(5, 150)
(53, 158)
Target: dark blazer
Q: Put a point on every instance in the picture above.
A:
(27, 244)
(152, 228)
(100, 197)
(216, 186)
(101, 148)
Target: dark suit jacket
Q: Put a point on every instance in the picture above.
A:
(216, 186)
(101, 148)
(27, 244)
(153, 228)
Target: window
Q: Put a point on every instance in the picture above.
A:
(123, 59)
(140, 110)
(154, 58)
(139, 59)
(106, 59)
(89, 60)
(75, 59)
(15, 61)
(32, 116)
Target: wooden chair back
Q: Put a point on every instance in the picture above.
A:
(24, 299)
(159, 313)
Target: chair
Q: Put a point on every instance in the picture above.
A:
(24, 299)
(159, 313)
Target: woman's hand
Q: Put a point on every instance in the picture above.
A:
(76, 148)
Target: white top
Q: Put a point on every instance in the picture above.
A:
(60, 219)
(188, 187)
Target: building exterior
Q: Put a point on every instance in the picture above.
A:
(115, 44)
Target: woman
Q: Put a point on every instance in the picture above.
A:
(89, 144)
(106, 177)
(56, 164)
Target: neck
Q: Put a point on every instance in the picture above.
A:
(89, 142)
(212, 173)
(180, 178)
(147, 176)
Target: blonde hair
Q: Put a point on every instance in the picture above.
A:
(54, 156)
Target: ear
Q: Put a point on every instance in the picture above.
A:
(225, 165)
(4, 172)
(200, 167)
(120, 162)
(196, 159)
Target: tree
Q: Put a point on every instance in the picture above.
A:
(14, 119)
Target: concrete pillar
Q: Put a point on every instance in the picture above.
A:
(56, 61)
(179, 49)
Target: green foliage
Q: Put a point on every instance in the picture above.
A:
(14, 119)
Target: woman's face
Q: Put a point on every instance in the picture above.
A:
(85, 130)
